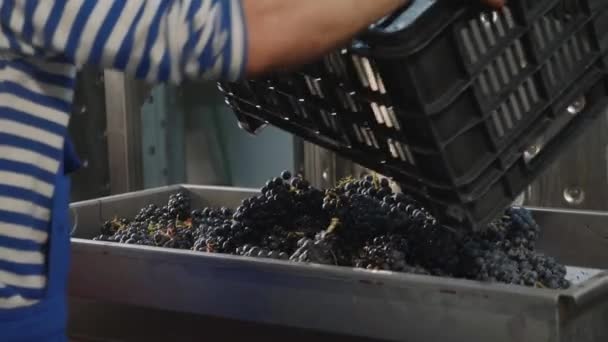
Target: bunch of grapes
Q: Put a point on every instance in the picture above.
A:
(358, 223)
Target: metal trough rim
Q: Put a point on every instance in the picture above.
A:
(583, 294)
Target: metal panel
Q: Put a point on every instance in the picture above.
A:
(576, 237)
(183, 134)
(218, 152)
(88, 132)
(163, 125)
(381, 305)
(322, 167)
(124, 98)
(94, 321)
(578, 179)
(205, 153)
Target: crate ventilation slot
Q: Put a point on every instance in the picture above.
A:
(314, 86)
(365, 136)
(567, 9)
(347, 100)
(484, 33)
(368, 74)
(385, 115)
(299, 107)
(553, 25)
(334, 64)
(503, 70)
(272, 97)
(566, 58)
(329, 120)
(401, 151)
(519, 103)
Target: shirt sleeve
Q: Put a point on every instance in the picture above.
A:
(155, 40)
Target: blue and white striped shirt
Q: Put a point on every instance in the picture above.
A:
(42, 42)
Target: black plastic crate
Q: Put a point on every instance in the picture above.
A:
(448, 99)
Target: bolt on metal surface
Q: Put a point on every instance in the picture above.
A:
(577, 106)
(488, 18)
(531, 152)
(574, 195)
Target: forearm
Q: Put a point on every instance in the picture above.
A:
(286, 33)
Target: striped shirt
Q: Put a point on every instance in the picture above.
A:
(42, 42)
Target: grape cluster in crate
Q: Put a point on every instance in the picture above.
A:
(359, 223)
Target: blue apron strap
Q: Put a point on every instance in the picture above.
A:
(59, 245)
(59, 240)
(58, 257)
(46, 321)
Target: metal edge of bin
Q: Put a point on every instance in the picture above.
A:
(579, 238)
(288, 295)
(302, 282)
(293, 295)
(582, 311)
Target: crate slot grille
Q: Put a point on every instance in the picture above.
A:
(314, 86)
(393, 115)
(302, 109)
(519, 103)
(385, 115)
(297, 107)
(368, 74)
(503, 70)
(272, 98)
(377, 114)
(325, 117)
(483, 33)
(372, 136)
(329, 120)
(334, 123)
(365, 135)
(554, 24)
(347, 100)
(334, 64)
(566, 58)
(358, 133)
(400, 151)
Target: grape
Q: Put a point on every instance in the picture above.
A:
(385, 252)
(286, 175)
(179, 206)
(258, 252)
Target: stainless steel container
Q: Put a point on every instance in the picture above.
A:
(380, 305)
